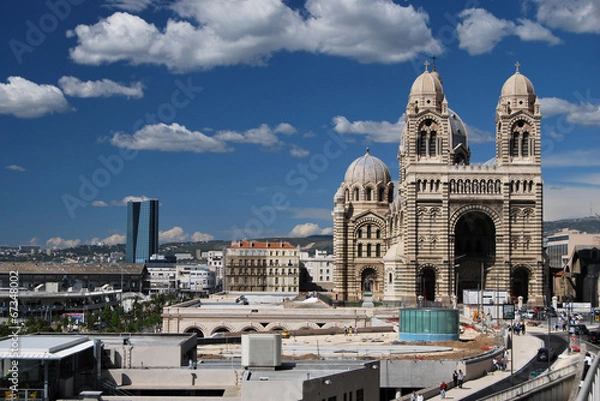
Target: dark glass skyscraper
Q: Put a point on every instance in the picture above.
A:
(142, 230)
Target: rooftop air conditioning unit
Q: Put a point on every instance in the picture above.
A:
(261, 350)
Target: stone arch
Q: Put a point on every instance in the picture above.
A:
(369, 272)
(252, 327)
(194, 329)
(474, 243)
(277, 326)
(223, 327)
(458, 213)
(521, 277)
(427, 276)
(369, 192)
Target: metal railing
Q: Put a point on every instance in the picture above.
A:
(590, 389)
(26, 394)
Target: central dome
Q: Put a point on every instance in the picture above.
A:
(366, 169)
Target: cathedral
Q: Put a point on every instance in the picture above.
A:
(447, 225)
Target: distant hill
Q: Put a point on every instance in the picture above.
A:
(590, 225)
(311, 243)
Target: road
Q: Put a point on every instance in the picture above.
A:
(558, 341)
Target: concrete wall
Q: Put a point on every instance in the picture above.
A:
(424, 373)
(406, 373)
(171, 378)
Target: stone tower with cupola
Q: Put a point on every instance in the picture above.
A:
(452, 225)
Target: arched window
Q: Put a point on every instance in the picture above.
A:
(525, 145)
(359, 250)
(378, 250)
(378, 234)
(368, 194)
(432, 144)
(422, 150)
(369, 231)
(390, 278)
(368, 250)
(514, 144)
(356, 198)
(360, 233)
(347, 195)
(380, 194)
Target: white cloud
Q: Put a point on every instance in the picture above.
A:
(263, 135)
(376, 131)
(576, 158)
(480, 31)
(169, 138)
(304, 230)
(99, 203)
(298, 151)
(563, 202)
(14, 167)
(130, 198)
(130, 5)
(530, 31)
(199, 237)
(580, 16)
(285, 128)
(58, 243)
(115, 239)
(23, 98)
(218, 33)
(583, 113)
(175, 234)
(478, 135)
(75, 87)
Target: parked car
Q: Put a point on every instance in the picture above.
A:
(546, 354)
(579, 329)
(594, 336)
(530, 314)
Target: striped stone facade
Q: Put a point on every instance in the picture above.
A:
(452, 225)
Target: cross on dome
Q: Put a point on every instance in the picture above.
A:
(426, 63)
(517, 64)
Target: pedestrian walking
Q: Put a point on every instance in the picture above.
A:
(443, 389)
(461, 378)
(455, 378)
(413, 396)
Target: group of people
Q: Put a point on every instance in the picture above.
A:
(350, 330)
(499, 364)
(519, 328)
(457, 377)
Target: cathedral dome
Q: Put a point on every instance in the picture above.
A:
(428, 83)
(366, 169)
(517, 85)
(458, 129)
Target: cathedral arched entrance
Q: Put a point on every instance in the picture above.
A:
(474, 250)
(427, 283)
(520, 283)
(368, 280)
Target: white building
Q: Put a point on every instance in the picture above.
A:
(319, 266)
(214, 259)
(196, 278)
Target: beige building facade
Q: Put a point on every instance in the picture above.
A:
(447, 225)
(264, 266)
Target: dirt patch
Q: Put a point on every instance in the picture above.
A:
(460, 349)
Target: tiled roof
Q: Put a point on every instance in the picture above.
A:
(262, 244)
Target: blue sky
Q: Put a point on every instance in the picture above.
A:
(241, 116)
